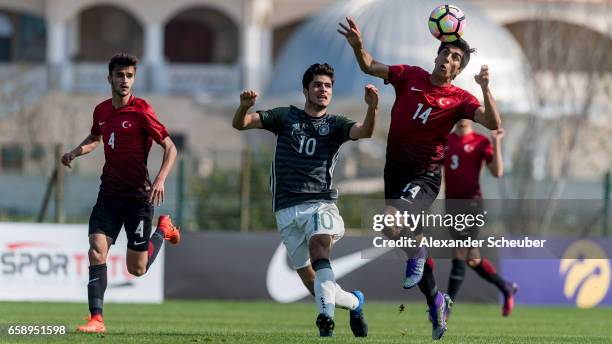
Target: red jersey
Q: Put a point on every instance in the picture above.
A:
(422, 116)
(463, 162)
(127, 134)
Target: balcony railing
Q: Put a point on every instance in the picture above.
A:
(21, 85)
(168, 78)
(193, 78)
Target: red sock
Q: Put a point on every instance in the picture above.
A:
(431, 263)
(487, 266)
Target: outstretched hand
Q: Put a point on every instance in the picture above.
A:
(371, 95)
(351, 32)
(248, 98)
(482, 78)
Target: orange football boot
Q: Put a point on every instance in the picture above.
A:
(95, 324)
(171, 233)
(511, 288)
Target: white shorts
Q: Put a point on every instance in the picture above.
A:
(299, 223)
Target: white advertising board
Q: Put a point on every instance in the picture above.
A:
(48, 262)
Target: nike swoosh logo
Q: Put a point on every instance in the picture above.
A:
(415, 89)
(93, 280)
(121, 285)
(405, 199)
(284, 285)
(101, 123)
(139, 243)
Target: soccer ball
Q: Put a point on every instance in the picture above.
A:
(446, 23)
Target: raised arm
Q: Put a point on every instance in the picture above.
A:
(488, 115)
(243, 120)
(365, 129)
(496, 166)
(89, 144)
(158, 193)
(368, 65)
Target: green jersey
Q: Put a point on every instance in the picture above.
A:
(305, 155)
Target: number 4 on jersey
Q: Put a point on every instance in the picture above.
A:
(422, 115)
(111, 140)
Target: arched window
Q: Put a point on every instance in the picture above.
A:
(553, 45)
(201, 35)
(6, 37)
(107, 30)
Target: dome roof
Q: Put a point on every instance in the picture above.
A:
(396, 32)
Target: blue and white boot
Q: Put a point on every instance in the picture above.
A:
(414, 268)
(357, 320)
(437, 315)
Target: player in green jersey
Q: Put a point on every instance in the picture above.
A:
(304, 199)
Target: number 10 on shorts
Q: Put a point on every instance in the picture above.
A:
(324, 220)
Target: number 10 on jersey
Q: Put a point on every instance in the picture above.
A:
(307, 145)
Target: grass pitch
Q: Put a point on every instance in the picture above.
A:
(267, 322)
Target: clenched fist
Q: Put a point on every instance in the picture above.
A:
(247, 98)
(482, 78)
(371, 95)
(67, 159)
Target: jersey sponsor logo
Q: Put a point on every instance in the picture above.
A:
(586, 280)
(284, 284)
(126, 124)
(415, 89)
(468, 148)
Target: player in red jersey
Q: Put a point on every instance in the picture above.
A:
(127, 126)
(465, 153)
(426, 107)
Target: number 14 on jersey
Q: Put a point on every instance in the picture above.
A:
(424, 115)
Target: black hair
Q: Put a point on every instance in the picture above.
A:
(464, 46)
(122, 60)
(317, 69)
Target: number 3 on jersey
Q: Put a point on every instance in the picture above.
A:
(454, 162)
(422, 115)
(111, 140)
